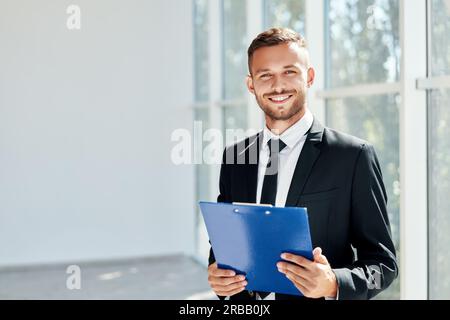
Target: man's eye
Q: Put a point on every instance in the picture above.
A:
(290, 72)
(265, 76)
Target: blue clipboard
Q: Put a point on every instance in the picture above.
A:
(249, 239)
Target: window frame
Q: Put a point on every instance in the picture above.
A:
(413, 86)
(427, 84)
(217, 103)
(413, 142)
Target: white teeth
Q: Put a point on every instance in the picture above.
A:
(279, 98)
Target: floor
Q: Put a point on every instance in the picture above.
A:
(170, 277)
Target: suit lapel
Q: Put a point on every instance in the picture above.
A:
(251, 170)
(308, 156)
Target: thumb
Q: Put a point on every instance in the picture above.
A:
(319, 257)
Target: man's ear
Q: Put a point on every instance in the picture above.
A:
(311, 76)
(250, 86)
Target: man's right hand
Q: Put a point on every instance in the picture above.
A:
(225, 282)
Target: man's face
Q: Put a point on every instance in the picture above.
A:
(280, 76)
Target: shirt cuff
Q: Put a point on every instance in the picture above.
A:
(337, 295)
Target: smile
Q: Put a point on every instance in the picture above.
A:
(280, 99)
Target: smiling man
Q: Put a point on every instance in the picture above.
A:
(337, 177)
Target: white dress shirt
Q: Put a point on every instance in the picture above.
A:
(294, 138)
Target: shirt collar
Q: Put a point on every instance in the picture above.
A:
(293, 134)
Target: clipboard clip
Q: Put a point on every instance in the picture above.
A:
(251, 204)
(267, 212)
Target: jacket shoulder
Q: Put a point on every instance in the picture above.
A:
(339, 140)
(239, 147)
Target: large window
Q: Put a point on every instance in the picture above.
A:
(439, 152)
(360, 89)
(201, 64)
(222, 31)
(220, 44)
(201, 113)
(234, 49)
(362, 58)
(440, 39)
(364, 44)
(285, 13)
(201, 61)
(234, 107)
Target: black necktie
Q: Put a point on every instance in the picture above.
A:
(269, 189)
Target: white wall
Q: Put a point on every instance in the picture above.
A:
(85, 124)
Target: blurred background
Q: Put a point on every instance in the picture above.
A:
(88, 109)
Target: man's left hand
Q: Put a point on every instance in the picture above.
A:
(315, 279)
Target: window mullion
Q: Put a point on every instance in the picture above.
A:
(413, 152)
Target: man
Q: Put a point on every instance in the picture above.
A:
(337, 177)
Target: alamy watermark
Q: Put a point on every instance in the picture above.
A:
(73, 281)
(74, 19)
(207, 146)
(374, 280)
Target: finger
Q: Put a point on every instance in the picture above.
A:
(319, 257)
(222, 272)
(299, 280)
(215, 271)
(225, 281)
(285, 266)
(230, 287)
(227, 290)
(302, 288)
(299, 260)
(317, 251)
(230, 293)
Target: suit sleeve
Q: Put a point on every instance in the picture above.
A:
(375, 267)
(223, 197)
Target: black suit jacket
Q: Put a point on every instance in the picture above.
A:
(338, 178)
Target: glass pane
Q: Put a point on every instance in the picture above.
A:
(202, 186)
(235, 48)
(202, 170)
(285, 13)
(376, 119)
(363, 39)
(235, 122)
(440, 39)
(439, 191)
(201, 50)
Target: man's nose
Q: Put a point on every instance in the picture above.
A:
(278, 84)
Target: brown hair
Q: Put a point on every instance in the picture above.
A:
(273, 37)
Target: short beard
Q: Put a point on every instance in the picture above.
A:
(297, 106)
